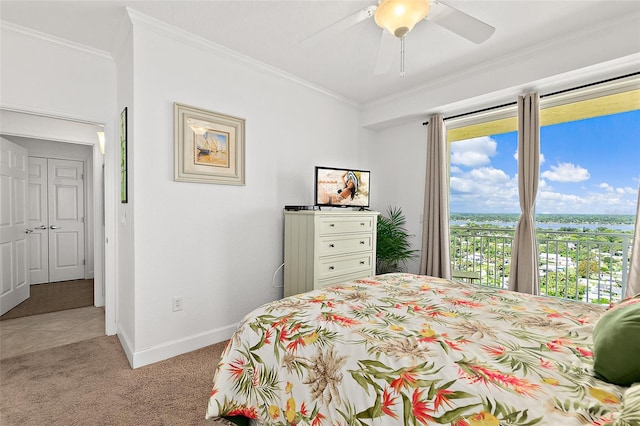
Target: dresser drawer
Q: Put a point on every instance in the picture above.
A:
(344, 244)
(341, 265)
(342, 224)
(340, 279)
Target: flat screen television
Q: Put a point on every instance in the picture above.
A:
(341, 187)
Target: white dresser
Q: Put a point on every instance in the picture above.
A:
(327, 247)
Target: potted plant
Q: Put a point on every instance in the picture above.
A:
(392, 242)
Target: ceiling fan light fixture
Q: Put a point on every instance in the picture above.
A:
(399, 16)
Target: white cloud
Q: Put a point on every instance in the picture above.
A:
(455, 169)
(566, 172)
(473, 152)
(461, 184)
(489, 175)
(469, 195)
(601, 202)
(625, 190)
(488, 189)
(606, 187)
(485, 188)
(543, 185)
(558, 197)
(469, 158)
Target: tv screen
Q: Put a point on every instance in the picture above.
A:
(342, 187)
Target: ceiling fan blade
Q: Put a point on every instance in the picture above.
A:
(385, 53)
(336, 27)
(459, 22)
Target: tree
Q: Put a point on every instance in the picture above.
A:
(587, 267)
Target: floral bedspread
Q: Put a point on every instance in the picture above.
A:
(411, 350)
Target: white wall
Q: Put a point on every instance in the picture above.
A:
(48, 75)
(398, 175)
(53, 79)
(126, 290)
(218, 246)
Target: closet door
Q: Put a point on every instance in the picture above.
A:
(38, 221)
(66, 219)
(14, 283)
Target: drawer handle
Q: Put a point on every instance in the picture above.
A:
(361, 242)
(362, 262)
(332, 225)
(331, 268)
(331, 246)
(362, 223)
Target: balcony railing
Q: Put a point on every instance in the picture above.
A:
(584, 266)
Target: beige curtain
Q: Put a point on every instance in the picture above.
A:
(523, 276)
(435, 259)
(633, 285)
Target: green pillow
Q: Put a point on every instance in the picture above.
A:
(616, 344)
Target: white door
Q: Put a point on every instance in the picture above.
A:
(14, 284)
(66, 219)
(38, 221)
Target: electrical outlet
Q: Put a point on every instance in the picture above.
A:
(177, 304)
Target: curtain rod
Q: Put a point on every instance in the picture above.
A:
(541, 96)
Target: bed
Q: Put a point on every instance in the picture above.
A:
(409, 350)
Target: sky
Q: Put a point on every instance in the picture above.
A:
(589, 166)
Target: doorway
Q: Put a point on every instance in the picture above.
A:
(101, 213)
(59, 220)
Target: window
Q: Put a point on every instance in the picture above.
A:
(587, 191)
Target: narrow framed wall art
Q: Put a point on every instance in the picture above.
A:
(124, 172)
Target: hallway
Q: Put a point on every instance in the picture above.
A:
(38, 332)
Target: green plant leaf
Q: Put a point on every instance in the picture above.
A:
(393, 248)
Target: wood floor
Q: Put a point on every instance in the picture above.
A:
(37, 332)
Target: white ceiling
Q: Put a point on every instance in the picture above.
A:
(271, 32)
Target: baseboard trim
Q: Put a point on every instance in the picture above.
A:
(180, 346)
(127, 347)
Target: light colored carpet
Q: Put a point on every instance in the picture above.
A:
(91, 383)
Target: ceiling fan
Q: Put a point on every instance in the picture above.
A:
(397, 18)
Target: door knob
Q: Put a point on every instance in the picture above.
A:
(28, 231)
(55, 227)
(41, 227)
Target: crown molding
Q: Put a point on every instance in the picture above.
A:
(49, 114)
(5, 25)
(182, 36)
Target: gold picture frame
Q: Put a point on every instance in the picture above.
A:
(124, 160)
(209, 146)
